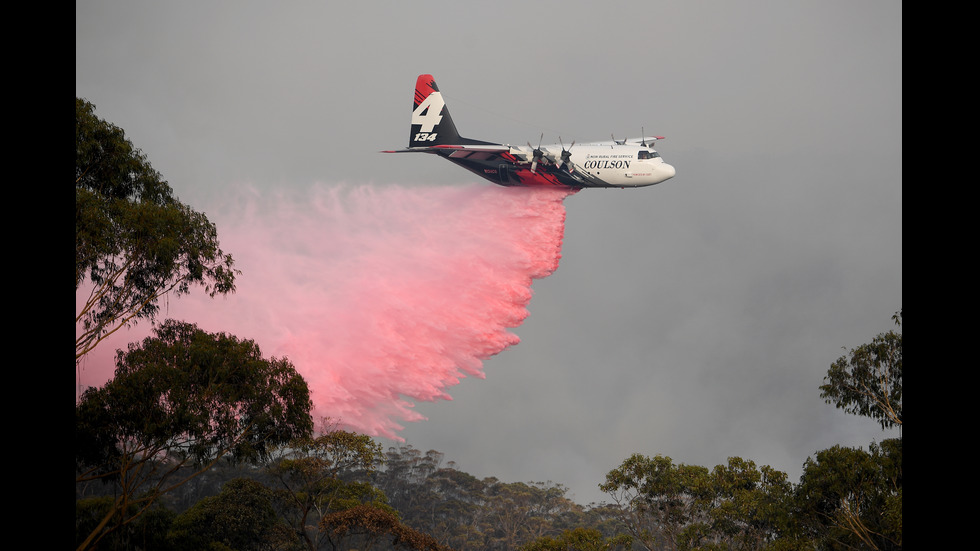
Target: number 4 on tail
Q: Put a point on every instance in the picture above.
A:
(428, 114)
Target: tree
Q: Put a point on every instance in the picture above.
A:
(449, 504)
(371, 525)
(751, 507)
(465, 512)
(734, 506)
(134, 241)
(148, 531)
(868, 380)
(850, 498)
(326, 474)
(659, 499)
(241, 517)
(520, 512)
(180, 401)
(579, 539)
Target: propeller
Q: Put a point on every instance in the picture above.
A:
(565, 154)
(536, 153)
(643, 139)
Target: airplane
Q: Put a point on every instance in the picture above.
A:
(613, 164)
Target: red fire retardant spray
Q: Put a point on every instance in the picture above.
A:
(381, 296)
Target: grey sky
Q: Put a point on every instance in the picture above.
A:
(694, 319)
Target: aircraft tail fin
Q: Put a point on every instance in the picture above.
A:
(431, 123)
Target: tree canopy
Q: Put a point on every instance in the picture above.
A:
(682, 506)
(134, 241)
(184, 397)
(868, 380)
(242, 517)
(324, 475)
(852, 499)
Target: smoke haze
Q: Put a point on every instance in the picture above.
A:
(695, 319)
(380, 296)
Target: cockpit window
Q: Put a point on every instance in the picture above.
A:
(644, 154)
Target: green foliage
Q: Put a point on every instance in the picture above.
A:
(241, 517)
(846, 499)
(660, 499)
(326, 474)
(868, 380)
(682, 506)
(365, 526)
(147, 531)
(465, 512)
(194, 395)
(851, 498)
(134, 241)
(184, 397)
(579, 539)
(751, 506)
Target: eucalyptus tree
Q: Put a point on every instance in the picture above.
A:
(868, 380)
(134, 240)
(240, 517)
(325, 474)
(580, 539)
(180, 401)
(682, 507)
(659, 500)
(850, 498)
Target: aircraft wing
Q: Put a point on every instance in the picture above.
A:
(649, 140)
(448, 149)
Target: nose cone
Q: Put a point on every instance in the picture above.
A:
(666, 172)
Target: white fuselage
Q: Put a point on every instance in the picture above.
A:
(619, 165)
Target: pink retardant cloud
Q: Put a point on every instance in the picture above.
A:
(380, 296)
